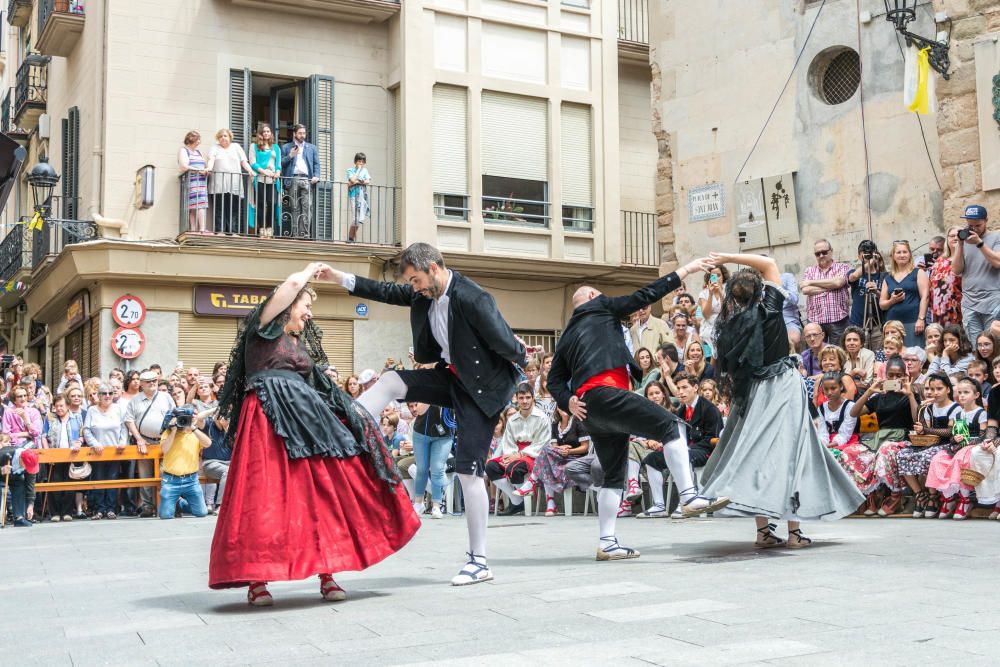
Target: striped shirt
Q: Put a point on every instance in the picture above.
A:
(831, 305)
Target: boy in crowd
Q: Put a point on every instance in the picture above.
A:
(703, 424)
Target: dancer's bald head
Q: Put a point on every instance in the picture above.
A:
(583, 295)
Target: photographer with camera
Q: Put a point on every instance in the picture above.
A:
(182, 442)
(977, 260)
(866, 283)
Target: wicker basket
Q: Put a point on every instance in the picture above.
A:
(924, 440)
(972, 477)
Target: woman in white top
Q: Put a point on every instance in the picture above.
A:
(227, 163)
(104, 426)
(710, 301)
(860, 360)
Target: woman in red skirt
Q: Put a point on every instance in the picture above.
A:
(311, 488)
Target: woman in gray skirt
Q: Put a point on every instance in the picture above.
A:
(769, 460)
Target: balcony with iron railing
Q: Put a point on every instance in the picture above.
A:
(19, 12)
(633, 30)
(639, 246)
(60, 24)
(7, 124)
(293, 209)
(23, 249)
(356, 11)
(31, 91)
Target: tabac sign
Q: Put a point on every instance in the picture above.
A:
(228, 300)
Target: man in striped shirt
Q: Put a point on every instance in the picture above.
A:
(829, 294)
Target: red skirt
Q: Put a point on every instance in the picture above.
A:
(285, 519)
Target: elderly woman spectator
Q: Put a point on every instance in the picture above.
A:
(905, 292)
(191, 162)
(932, 340)
(104, 426)
(65, 432)
(23, 422)
(227, 161)
(914, 358)
(945, 286)
(956, 352)
(860, 360)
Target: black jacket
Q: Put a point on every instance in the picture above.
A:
(483, 348)
(705, 423)
(593, 341)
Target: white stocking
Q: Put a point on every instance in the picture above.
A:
(655, 478)
(508, 490)
(608, 503)
(408, 485)
(633, 470)
(477, 509)
(390, 387)
(678, 461)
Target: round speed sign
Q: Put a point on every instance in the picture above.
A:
(129, 311)
(128, 343)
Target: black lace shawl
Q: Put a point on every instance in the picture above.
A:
(739, 344)
(362, 425)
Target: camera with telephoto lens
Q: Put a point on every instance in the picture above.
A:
(963, 234)
(181, 417)
(867, 249)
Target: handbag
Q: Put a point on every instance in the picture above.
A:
(868, 423)
(79, 470)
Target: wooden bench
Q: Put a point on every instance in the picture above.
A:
(107, 455)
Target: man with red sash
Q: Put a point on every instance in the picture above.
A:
(526, 432)
(591, 378)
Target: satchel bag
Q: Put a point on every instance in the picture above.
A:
(80, 470)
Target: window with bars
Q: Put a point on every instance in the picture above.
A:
(835, 74)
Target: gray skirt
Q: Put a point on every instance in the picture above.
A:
(770, 461)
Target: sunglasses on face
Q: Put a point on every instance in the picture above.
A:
(821, 253)
(105, 393)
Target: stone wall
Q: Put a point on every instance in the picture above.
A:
(957, 118)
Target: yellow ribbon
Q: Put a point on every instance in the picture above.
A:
(36, 221)
(921, 100)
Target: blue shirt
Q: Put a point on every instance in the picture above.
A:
(361, 175)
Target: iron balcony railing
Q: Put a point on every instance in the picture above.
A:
(289, 208)
(633, 21)
(639, 247)
(15, 252)
(60, 232)
(47, 8)
(512, 211)
(31, 84)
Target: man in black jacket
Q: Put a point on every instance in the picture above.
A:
(591, 378)
(702, 425)
(457, 326)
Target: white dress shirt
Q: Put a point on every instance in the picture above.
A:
(300, 169)
(438, 314)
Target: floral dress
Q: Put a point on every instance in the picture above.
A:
(550, 466)
(946, 293)
(917, 460)
(838, 429)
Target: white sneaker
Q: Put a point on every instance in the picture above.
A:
(419, 508)
(436, 512)
(473, 572)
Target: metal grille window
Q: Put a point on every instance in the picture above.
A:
(835, 74)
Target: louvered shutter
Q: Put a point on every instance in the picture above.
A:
(320, 128)
(71, 164)
(515, 136)
(577, 156)
(93, 329)
(449, 154)
(240, 90)
(397, 170)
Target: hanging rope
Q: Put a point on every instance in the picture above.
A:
(864, 129)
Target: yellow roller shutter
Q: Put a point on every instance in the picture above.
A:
(202, 341)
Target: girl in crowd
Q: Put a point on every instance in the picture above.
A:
(650, 371)
(932, 340)
(639, 448)
(956, 352)
(892, 401)
(543, 398)
(945, 286)
(934, 419)
(770, 431)
(946, 469)
(860, 363)
(832, 360)
(353, 387)
(710, 302)
(839, 430)
(265, 162)
(694, 362)
(570, 440)
(311, 489)
(709, 390)
(904, 293)
(179, 395)
(892, 346)
(987, 348)
(890, 328)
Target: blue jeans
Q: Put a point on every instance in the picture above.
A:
(186, 487)
(431, 456)
(976, 323)
(103, 500)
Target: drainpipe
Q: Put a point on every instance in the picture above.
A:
(97, 162)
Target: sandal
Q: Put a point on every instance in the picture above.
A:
(258, 595)
(329, 589)
(801, 541)
(473, 572)
(767, 539)
(919, 504)
(615, 551)
(97, 516)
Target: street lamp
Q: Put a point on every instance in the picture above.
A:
(42, 179)
(900, 13)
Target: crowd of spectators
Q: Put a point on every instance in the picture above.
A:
(898, 357)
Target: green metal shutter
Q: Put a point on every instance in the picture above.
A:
(320, 95)
(240, 90)
(71, 165)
